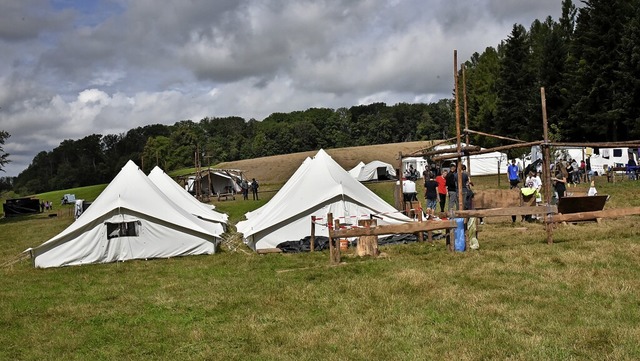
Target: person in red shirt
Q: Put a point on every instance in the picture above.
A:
(442, 188)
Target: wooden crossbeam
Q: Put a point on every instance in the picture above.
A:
(410, 227)
(508, 211)
(589, 216)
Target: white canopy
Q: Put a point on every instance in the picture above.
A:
(130, 219)
(483, 164)
(355, 171)
(186, 201)
(372, 170)
(319, 186)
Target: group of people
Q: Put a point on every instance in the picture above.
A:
(245, 186)
(46, 206)
(445, 184)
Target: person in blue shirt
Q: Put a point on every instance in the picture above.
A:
(512, 172)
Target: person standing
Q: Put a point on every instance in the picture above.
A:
(514, 179)
(560, 181)
(245, 189)
(431, 192)
(512, 173)
(451, 181)
(442, 189)
(254, 189)
(466, 199)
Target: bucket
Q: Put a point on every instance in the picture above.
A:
(344, 244)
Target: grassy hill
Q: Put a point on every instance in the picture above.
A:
(515, 298)
(278, 168)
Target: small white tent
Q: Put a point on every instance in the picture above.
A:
(319, 186)
(483, 164)
(130, 219)
(188, 202)
(376, 170)
(355, 171)
(418, 163)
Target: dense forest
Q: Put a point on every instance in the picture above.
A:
(588, 61)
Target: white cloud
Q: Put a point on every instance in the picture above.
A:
(71, 69)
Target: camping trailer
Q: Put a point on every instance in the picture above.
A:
(611, 157)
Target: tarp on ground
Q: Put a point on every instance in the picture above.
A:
(130, 219)
(318, 187)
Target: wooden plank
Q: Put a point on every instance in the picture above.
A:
(508, 211)
(410, 227)
(590, 216)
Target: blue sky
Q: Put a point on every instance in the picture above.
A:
(69, 69)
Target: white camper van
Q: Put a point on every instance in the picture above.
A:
(611, 157)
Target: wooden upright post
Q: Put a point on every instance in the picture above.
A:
(334, 255)
(458, 140)
(399, 190)
(466, 116)
(367, 245)
(546, 165)
(313, 234)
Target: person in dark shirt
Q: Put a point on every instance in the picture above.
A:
(451, 181)
(431, 192)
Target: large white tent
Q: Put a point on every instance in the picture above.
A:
(130, 219)
(376, 170)
(319, 186)
(188, 202)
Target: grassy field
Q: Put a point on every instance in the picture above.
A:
(515, 298)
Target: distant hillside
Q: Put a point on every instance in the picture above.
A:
(278, 168)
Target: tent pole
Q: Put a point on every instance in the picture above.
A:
(546, 165)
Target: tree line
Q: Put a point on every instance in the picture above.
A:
(96, 159)
(588, 61)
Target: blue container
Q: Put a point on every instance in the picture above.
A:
(459, 244)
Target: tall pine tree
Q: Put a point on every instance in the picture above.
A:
(518, 95)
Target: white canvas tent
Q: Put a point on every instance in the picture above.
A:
(355, 171)
(483, 164)
(130, 219)
(376, 170)
(222, 182)
(319, 186)
(188, 202)
(418, 163)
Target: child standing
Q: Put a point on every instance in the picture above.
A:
(431, 192)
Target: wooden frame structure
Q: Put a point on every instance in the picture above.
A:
(551, 215)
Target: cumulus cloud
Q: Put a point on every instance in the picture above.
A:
(69, 69)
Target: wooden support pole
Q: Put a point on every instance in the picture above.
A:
(490, 150)
(450, 151)
(546, 163)
(333, 240)
(466, 115)
(405, 228)
(420, 234)
(313, 234)
(367, 244)
(507, 211)
(592, 216)
(336, 247)
(458, 135)
(467, 130)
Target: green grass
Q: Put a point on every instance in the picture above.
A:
(515, 298)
